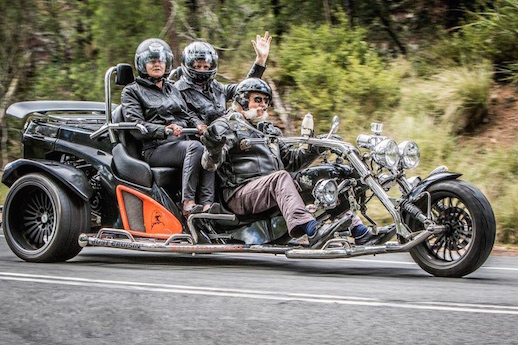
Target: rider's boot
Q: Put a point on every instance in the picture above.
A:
(384, 234)
(326, 230)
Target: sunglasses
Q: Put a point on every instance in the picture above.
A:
(260, 99)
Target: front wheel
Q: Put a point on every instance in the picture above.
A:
(470, 230)
(42, 220)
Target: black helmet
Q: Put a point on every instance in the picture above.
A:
(251, 85)
(153, 48)
(199, 51)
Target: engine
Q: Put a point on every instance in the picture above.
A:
(319, 185)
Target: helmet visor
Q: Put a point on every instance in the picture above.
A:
(155, 56)
(201, 61)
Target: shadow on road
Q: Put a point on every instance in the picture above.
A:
(247, 261)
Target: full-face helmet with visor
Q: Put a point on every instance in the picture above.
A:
(150, 49)
(199, 52)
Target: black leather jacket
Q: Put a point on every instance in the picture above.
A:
(145, 103)
(238, 165)
(211, 103)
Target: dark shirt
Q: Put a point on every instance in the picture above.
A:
(243, 164)
(210, 102)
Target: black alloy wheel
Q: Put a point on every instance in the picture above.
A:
(42, 220)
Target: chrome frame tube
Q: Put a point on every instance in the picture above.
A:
(169, 246)
(218, 216)
(108, 101)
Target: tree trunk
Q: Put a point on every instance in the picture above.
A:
(3, 120)
(350, 8)
(327, 11)
(6, 100)
(279, 107)
(278, 24)
(384, 17)
(169, 30)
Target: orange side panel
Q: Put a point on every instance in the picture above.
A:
(158, 221)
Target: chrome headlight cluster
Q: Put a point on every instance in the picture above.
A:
(386, 153)
(409, 153)
(326, 193)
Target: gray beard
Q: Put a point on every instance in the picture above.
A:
(251, 114)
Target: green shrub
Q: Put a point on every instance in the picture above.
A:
(75, 81)
(494, 32)
(332, 71)
(3, 193)
(457, 97)
(490, 33)
(495, 173)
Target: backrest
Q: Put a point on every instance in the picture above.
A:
(124, 74)
(130, 164)
(133, 146)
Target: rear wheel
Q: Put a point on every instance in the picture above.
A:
(470, 230)
(42, 220)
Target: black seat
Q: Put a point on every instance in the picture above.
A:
(129, 163)
(130, 168)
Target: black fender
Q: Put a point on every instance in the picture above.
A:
(72, 178)
(430, 180)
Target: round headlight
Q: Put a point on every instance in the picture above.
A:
(410, 155)
(326, 192)
(386, 153)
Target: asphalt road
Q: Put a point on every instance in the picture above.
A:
(113, 296)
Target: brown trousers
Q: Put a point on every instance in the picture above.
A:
(266, 192)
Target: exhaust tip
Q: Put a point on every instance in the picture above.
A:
(83, 240)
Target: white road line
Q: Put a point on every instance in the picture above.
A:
(256, 294)
(499, 268)
(413, 263)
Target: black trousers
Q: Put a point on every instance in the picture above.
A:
(185, 155)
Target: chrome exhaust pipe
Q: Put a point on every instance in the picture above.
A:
(343, 253)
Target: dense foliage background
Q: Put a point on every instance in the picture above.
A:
(429, 69)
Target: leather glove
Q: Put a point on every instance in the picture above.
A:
(213, 141)
(269, 129)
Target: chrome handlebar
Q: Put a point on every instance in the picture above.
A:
(117, 127)
(127, 126)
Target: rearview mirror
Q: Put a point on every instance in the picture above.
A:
(336, 122)
(334, 126)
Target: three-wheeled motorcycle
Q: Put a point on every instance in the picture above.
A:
(82, 182)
